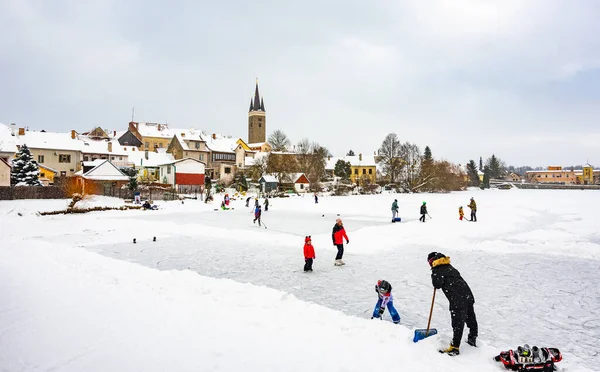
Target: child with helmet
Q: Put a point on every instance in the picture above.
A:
(384, 292)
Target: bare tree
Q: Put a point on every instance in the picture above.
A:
(281, 166)
(279, 141)
(390, 156)
(411, 165)
(257, 169)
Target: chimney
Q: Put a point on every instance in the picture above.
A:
(72, 134)
(214, 136)
(146, 154)
(13, 129)
(21, 131)
(182, 134)
(328, 158)
(109, 146)
(137, 126)
(359, 157)
(114, 133)
(158, 127)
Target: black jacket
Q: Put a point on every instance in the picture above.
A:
(446, 277)
(423, 209)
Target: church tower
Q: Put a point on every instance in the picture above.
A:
(257, 119)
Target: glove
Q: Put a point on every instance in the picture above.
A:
(381, 311)
(347, 241)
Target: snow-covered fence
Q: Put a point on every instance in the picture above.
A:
(32, 192)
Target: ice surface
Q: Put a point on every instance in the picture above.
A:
(531, 261)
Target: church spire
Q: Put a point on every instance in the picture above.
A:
(256, 97)
(262, 104)
(251, 105)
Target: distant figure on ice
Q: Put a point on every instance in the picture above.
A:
(473, 206)
(461, 213)
(257, 214)
(460, 297)
(309, 254)
(394, 210)
(338, 235)
(256, 203)
(423, 212)
(226, 200)
(137, 197)
(224, 206)
(266, 204)
(147, 205)
(384, 292)
(248, 201)
(316, 198)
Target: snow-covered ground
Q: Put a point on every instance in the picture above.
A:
(531, 261)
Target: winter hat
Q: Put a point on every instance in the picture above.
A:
(395, 200)
(424, 203)
(434, 256)
(307, 239)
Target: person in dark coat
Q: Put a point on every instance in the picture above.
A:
(338, 235)
(248, 201)
(423, 212)
(460, 297)
(266, 204)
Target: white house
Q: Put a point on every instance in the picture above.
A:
(183, 172)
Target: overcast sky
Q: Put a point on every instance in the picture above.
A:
(469, 78)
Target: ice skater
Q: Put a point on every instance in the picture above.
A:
(248, 201)
(266, 204)
(394, 210)
(423, 212)
(461, 213)
(257, 214)
(384, 292)
(309, 254)
(316, 198)
(338, 235)
(473, 206)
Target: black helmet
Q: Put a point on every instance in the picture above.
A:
(384, 287)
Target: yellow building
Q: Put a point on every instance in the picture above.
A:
(363, 168)
(47, 174)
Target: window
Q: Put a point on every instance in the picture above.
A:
(63, 158)
(42, 174)
(147, 144)
(260, 125)
(227, 170)
(301, 186)
(364, 171)
(186, 154)
(356, 171)
(370, 171)
(201, 157)
(239, 165)
(197, 145)
(168, 169)
(40, 159)
(120, 158)
(160, 145)
(63, 174)
(250, 125)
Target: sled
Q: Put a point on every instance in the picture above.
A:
(397, 219)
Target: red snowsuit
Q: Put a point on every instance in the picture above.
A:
(309, 250)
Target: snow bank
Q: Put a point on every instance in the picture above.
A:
(71, 310)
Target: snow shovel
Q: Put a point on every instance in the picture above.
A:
(421, 334)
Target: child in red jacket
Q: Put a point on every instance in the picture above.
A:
(309, 254)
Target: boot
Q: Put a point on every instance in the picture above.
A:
(471, 340)
(342, 262)
(338, 263)
(451, 350)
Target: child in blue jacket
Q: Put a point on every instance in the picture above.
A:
(384, 292)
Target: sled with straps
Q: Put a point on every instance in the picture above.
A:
(530, 360)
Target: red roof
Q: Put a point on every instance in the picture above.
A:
(302, 179)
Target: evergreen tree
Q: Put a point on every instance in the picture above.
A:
(241, 182)
(25, 171)
(132, 174)
(427, 156)
(486, 178)
(350, 153)
(496, 167)
(472, 173)
(207, 186)
(342, 169)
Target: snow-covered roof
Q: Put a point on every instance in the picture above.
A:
(355, 161)
(50, 141)
(180, 160)
(257, 144)
(221, 143)
(166, 131)
(47, 168)
(8, 142)
(104, 171)
(155, 159)
(89, 146)
(93, 163)
(296, 176)
(552, 171)
(269, 178)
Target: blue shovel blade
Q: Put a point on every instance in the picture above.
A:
(421, 334)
